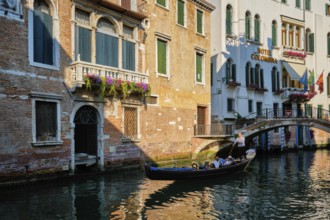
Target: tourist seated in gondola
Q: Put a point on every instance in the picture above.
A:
(218, 162)
(229, 161)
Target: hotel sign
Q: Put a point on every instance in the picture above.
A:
(263, 55)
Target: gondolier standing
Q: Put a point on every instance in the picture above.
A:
(240, 141)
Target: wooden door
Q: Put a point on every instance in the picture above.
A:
(201, 120)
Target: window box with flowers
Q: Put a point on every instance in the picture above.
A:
(278, 92)
(115, 87)
(298, 97)
(252, 86)
(261, 90)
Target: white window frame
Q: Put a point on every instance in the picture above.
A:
(56, 39)
(44, 97)
(13, 13)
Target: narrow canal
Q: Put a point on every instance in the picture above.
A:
(293, 185)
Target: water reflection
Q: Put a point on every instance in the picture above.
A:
(293, 185)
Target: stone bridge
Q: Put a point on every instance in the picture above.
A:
(209, 136)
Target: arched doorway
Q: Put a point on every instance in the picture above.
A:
(85, 135)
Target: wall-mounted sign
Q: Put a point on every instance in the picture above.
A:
(263, 55)
(294, 54)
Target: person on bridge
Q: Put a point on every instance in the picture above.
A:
(240, 142)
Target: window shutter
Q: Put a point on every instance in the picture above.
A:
(199, 68)
(247, 68)
(181, 12)
(161, 56)
(326, 9)
(233, 72)
(199, 22)
(277, 80)
(247, 27)
(252, 77)
(161, 2)
(262, 78)
(228, 22)
(38, 30)
(100, 49)
(328, 38)
(311, 41)
(257, 76)
(273, 80)
(84, 44)
(257, 30)
(274, 39)
(298, 3)
(113, 51)
(227, 71)
(128, 55)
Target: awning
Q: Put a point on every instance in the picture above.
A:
(296, 71)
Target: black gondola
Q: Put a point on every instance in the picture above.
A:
(156, 173)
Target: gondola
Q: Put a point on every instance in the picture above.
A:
(174, 173)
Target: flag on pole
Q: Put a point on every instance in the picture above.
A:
(311, 81)
(303, 80)
(319, 82)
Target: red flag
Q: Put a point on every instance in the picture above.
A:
(320, 83)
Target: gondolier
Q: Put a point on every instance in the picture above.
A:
(240, 142)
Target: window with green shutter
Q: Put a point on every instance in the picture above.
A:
(42, 37)
(181, 15)
(311, 42)
(298, 4)
(229, 20)
(328, 43)
(308, 5)
(257, 28)
(199, 67)
(162, 2)
(327, 9)
(161, 57)
(248, 26)
(199, 22)
(274, 33)
(328, 84)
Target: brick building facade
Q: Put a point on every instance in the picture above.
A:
(74, 75)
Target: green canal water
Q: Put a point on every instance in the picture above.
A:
(293, 185)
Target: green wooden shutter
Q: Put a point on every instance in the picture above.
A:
(228, 22)
(199, 73)
(326, 9)
(181, 12)
(247, 27)
(199, 21)
(298, 3)
(277, 80)
(113, 48)
(247, 68)
(308, 5)
(311, 42)
(328, 38)
(257, 30)
(274, 36)
(262, 78)
(161, 2)
(161, 57)
(252, 77)
(227, 71)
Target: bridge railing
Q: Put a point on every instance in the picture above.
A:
(215, 129)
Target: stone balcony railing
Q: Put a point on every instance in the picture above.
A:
(80, 69)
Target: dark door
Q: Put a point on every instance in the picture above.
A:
(201, 116)
(86, 131)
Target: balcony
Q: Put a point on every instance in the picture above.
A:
(79, 70)
(296, 95)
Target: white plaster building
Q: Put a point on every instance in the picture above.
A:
(260, 51)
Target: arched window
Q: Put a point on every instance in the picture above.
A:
(259, 76)
(229, 17)
(328, 44)
(230, 71)
(83, 36)
(248, 25)
(106, 43)
(257, 28)
(43, 33)
(274, 33)
(309, 41)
